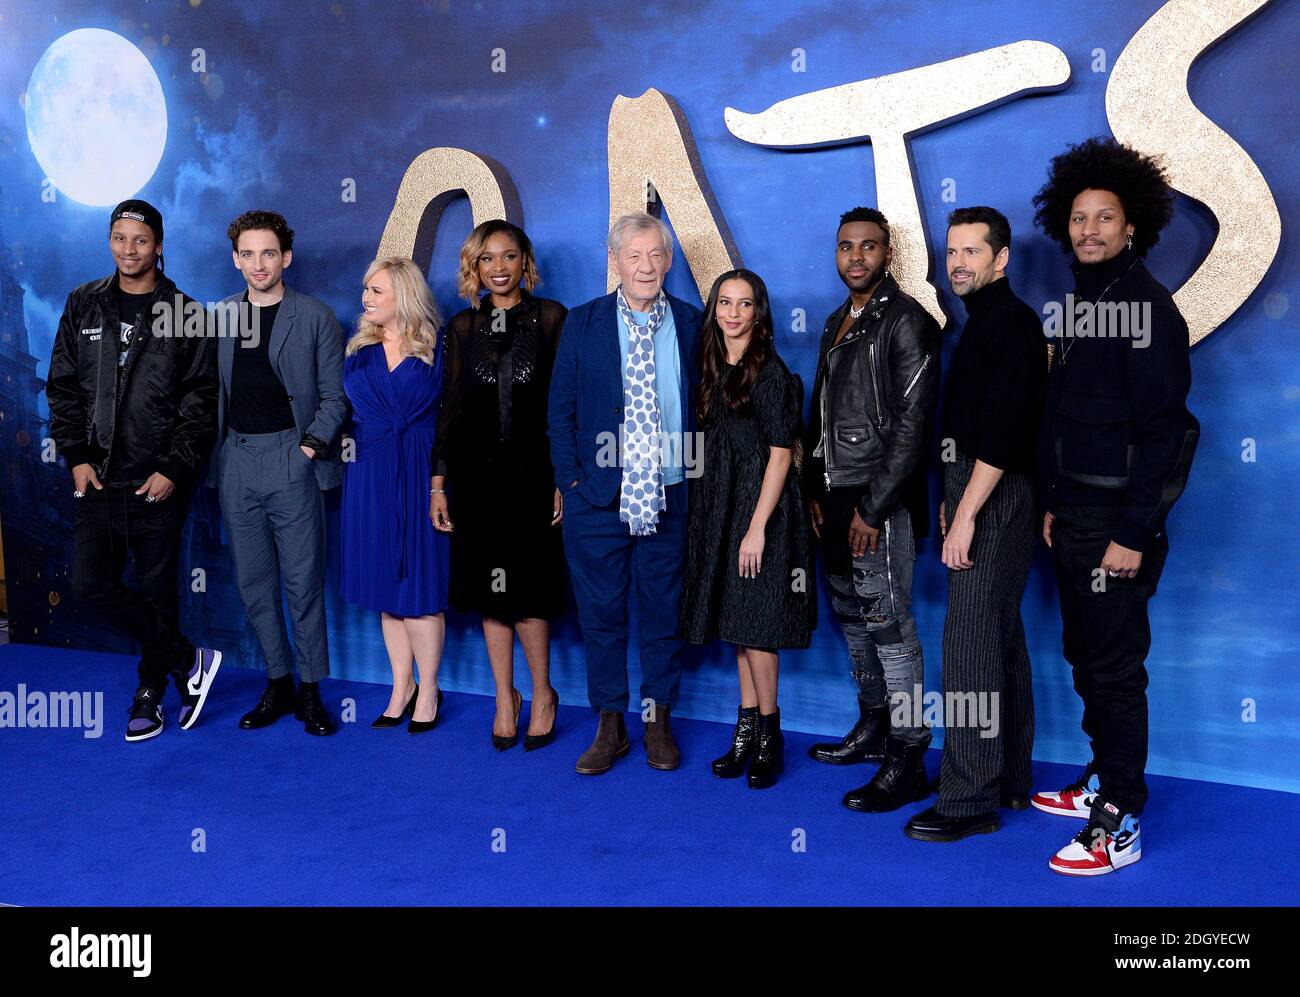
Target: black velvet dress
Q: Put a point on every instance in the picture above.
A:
(777, 609)
(507, 560)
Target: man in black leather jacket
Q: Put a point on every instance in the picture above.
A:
(1115, 452)
(133, 399)
(873, 405)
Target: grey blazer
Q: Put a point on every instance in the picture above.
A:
(306, 351)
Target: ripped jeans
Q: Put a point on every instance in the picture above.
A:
(874, 607)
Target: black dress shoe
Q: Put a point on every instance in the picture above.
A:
(276, 701)
(311, 711)
(384, 720)
(900, 780)
(534, 741)
(930, 825)
(864, 743)
(423, 726)
(503, 742)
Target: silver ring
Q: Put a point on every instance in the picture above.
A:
(150, 498)
(78, 494)
(1113, 574)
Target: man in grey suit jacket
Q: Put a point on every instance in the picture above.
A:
(280, 410)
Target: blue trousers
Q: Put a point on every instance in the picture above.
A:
(604, 559)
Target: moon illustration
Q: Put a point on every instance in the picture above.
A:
(96, 116)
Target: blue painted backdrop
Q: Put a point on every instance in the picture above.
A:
(298, 97)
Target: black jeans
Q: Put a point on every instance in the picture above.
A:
(1106, 636)
(108, 525)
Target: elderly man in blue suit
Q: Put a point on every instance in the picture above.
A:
(620, 416)
(280, 411)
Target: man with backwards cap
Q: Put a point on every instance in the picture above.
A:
(133, 396)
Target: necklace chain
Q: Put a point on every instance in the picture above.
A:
(1065, 350)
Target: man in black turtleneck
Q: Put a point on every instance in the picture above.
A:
(1115, 452)
(993, 403)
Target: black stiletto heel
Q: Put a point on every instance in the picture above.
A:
(501, 743)
(424, 726)
(384, 720)
(534, 741)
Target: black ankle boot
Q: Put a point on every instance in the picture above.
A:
(743, 740)
(769, 754)
(864, 743)
(900, 780)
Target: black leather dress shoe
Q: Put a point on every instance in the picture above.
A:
(930, 825)
(315, 718)
(276, 701)
(864, 743)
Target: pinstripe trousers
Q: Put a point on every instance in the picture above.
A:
(984, 649)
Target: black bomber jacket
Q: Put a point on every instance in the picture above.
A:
(163, 416)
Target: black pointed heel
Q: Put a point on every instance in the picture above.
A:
(384, 720)
(534, 741)
(503, 742)
(424, 726)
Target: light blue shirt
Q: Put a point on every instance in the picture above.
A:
(667, 389)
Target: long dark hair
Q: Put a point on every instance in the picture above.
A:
(713, 347)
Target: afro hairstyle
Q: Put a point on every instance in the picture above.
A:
(1103, 164)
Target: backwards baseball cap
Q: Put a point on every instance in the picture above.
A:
(140, 211)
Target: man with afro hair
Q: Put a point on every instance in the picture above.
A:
(1114, 455)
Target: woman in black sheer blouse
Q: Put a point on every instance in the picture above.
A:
(492, 469)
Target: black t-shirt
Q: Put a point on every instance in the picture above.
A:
(259, 402)
(131, 315)
(133, 321)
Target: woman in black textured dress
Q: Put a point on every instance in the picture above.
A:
(493, 470)
(749, 578)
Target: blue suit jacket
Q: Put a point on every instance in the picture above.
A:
(586, 400)
(306, 351)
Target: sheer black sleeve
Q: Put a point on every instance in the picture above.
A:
(452, 388)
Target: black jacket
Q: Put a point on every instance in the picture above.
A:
(873, 404)
(166, 416)
(1116, 428)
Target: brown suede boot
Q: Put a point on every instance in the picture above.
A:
(660, 749)
(611, 742)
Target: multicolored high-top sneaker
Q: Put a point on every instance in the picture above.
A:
(1075, 800)
(1109, 841)
(194, 685)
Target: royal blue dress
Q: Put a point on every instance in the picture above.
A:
(393, 560)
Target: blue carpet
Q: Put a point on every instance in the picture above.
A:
(380, 817)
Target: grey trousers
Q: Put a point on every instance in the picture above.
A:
(275, 519)
(874, 607)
